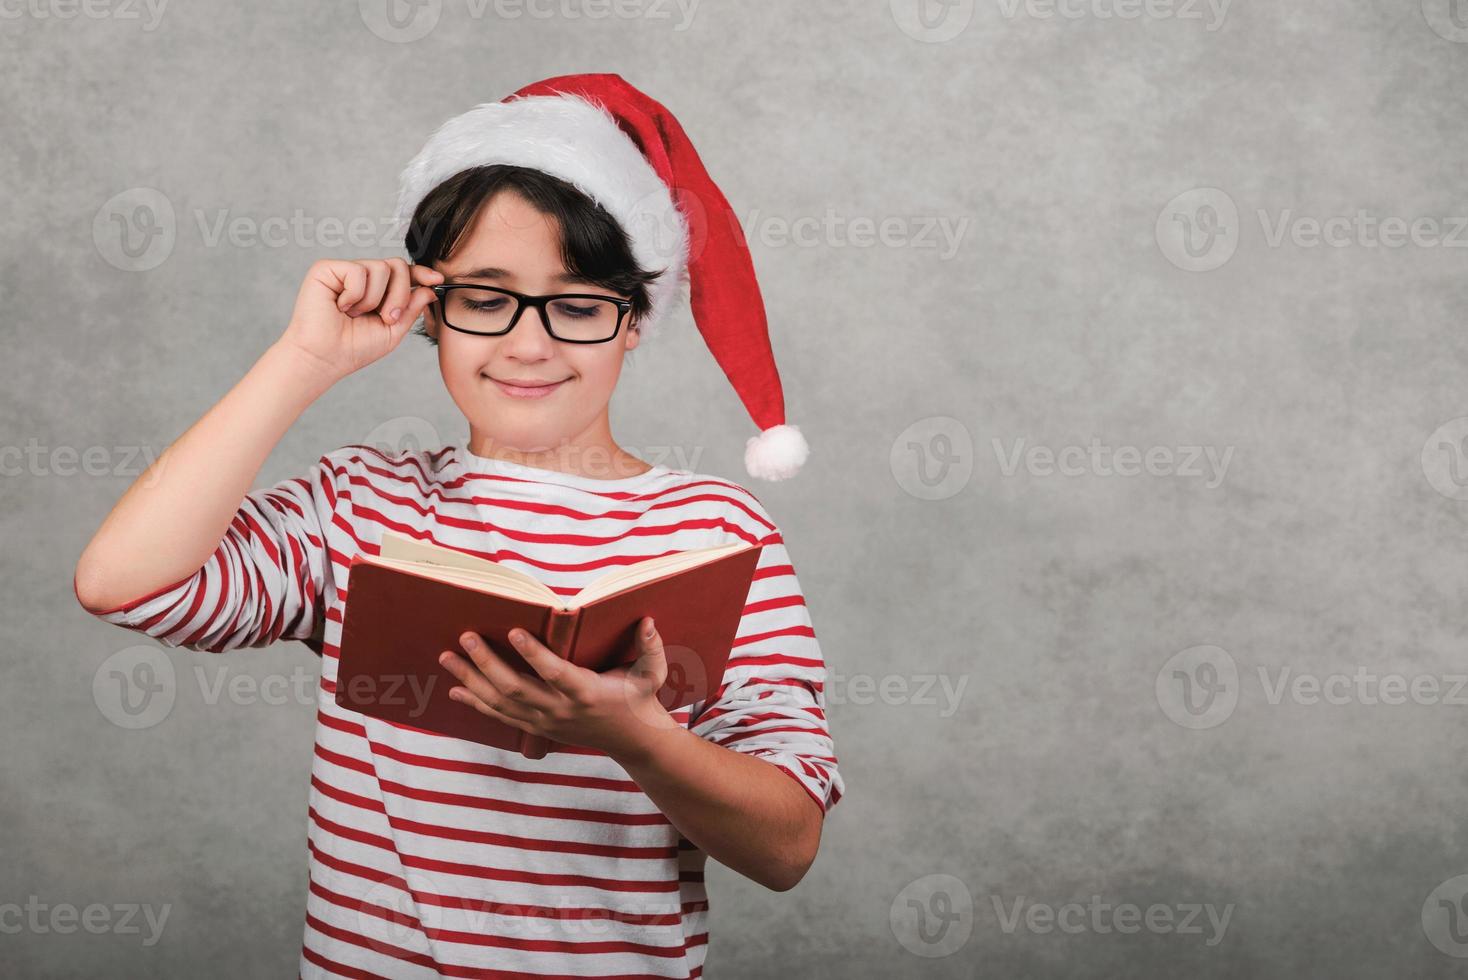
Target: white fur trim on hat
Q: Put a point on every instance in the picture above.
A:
(567, 137)
(776, 453)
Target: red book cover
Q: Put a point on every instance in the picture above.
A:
(397, 622)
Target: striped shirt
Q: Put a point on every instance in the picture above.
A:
(433, 856)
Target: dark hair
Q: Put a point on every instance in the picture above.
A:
(593, 246)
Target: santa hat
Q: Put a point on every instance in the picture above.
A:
(626, 152)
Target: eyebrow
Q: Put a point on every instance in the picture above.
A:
(492, 272)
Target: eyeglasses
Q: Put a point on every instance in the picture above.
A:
(488, 311)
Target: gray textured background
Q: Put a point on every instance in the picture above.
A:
(1068, 309)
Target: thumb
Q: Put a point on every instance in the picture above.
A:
(651, 667)
(418, 301)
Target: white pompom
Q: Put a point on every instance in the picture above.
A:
(776, 453)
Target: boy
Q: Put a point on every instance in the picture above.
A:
(434, 856)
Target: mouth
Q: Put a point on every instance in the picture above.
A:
(526, 388)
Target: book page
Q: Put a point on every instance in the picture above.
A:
(646, 571)
(455, 566)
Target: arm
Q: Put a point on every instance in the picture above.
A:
(739, 809)
(175, 514)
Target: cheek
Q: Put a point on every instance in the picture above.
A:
(460, 365)
(461, 356)
(598, 373)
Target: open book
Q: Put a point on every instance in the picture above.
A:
(412, 600)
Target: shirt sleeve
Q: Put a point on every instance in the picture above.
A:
(772, 702)
(268, 580)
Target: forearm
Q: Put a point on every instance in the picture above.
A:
(177, 511)
(739, 809)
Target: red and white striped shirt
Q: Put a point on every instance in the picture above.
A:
(432, 856)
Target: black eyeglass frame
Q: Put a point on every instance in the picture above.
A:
(524, 300)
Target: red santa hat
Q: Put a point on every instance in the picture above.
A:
(626, 152)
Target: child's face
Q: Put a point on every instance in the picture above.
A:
(510, 234)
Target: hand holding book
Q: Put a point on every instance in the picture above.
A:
(612, 711)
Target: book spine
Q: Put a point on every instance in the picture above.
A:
(560, 635)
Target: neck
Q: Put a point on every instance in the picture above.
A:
(594, 454)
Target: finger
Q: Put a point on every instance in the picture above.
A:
(524, 688)
(418, 301)
(377, 273)
(467, 674)
(353, 280)
(464, 696)
(427, 275)
(652, 666)
(399, 287)
(558, 673)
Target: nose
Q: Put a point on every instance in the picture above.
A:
(529, 340)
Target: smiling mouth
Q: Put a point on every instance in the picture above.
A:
(516, 389)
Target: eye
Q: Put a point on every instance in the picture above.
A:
(486, 305)
(581, 310)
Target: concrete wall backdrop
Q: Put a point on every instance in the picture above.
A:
(1129, 338)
